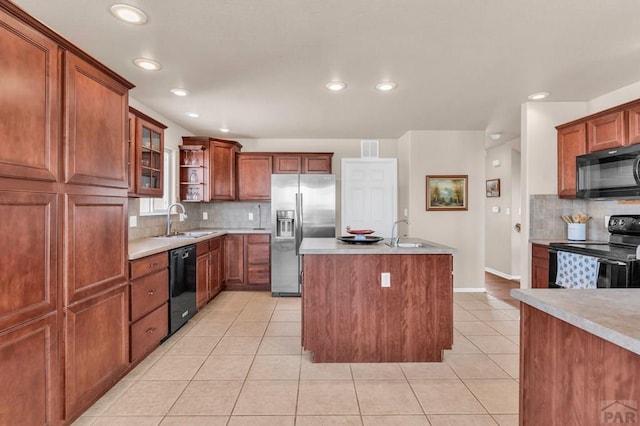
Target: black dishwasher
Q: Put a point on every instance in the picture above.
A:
(182, 286)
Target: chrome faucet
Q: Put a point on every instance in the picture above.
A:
(396, 240)
(184, 214)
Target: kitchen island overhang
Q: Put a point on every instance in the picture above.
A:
(350, 315)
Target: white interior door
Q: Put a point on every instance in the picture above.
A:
(369, 194)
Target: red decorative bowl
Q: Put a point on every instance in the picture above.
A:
(360, 231)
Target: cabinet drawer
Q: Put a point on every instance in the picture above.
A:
(202, 248)
(148, 265)
(214, 244)
(540, 251)
(147, 293)
(258, 274)
(257, 254)
(149, 331)
(258, 238)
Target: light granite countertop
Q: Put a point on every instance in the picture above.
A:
(153, 245)
(333, 246)
(611, 314)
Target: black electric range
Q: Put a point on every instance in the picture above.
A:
(618, 266)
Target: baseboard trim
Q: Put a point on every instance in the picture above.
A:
(502, 274)
(469, 290)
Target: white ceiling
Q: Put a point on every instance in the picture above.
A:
(260, 67)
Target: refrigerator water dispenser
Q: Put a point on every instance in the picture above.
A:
(284, 227)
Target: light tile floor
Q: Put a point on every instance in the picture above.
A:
(239, 362)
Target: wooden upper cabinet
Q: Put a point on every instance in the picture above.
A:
(291, 163)
(316, 163)
(287, 163)
(96, 126)
(131, 158)
(606, 131)
(571, 143)
(29, 104)
(149, 155)
(633, 117)
(220, 164)
(254, 176)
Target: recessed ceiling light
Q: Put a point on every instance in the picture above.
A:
(336, 86)
(192, 114)
(224, 130)
(385, 86)
(538, 96)
(147, 64)
(129, 14)
(180, 92)
(495, 136)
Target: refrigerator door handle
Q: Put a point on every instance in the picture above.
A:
(298, 223)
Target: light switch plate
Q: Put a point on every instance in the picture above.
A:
(250, 216)
(133, 221)
(386, 279)
(205, 215)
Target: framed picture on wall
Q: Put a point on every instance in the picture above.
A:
(493, 188)
(447, 192)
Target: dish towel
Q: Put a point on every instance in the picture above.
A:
(577, 271)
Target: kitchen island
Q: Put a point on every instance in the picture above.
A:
(579, 356)
(350, 314)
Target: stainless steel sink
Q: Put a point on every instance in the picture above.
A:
(406, 245)
(195, 234)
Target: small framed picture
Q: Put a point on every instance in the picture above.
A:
(447, 192)
(493, 188)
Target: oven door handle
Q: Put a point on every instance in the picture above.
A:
(611, 262)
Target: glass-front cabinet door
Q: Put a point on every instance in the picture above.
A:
(149, 165)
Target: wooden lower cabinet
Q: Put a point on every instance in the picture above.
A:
(96, 347)
(247, 262)
(233, 260)
(29, 370)
(539, 266)
(208, 270)
(202, 277)
(571, 377)
(149, 303)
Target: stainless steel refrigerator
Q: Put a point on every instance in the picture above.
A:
(302, 206)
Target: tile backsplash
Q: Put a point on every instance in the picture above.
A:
(546, 223)
(221, 215)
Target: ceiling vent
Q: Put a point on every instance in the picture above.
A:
(369, 148)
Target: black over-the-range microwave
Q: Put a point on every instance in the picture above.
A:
(612, 173)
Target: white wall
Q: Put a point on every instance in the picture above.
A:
(448, 153)
(498, 225)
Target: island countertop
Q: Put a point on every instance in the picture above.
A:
(611, 314)
(333, 246)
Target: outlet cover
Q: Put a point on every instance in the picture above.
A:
(385, 279)
(250, 216)
(133, 221)
(205, 215)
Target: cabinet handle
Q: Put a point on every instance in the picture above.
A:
(153, 265)
(151, 330)
(151, 292)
